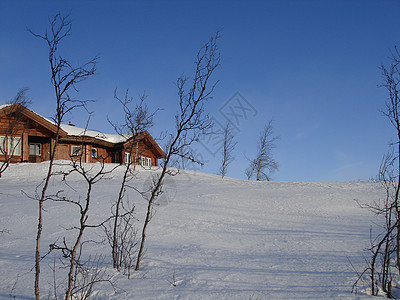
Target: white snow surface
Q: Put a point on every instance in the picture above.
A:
(219, 238)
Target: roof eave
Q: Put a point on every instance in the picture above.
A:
(33, 116)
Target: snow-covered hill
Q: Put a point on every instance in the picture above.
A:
(212, 238)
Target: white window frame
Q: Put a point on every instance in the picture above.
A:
(2, 145)
(74, 152)
(145, 161)
(14, 150)
(94, 152)
(36, 147)
(127, 157)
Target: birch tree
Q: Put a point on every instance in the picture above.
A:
(384, 261)
(121, 234)
(64, 79)
(264, 163)
(190, 121)
(228, 146)
(391, 81)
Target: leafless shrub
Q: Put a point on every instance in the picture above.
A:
(124, 242)
(173, 280)
(3, 231)
(87, 275)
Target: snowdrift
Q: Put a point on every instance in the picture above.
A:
(210, 238)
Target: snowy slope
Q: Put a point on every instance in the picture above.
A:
(221, 239)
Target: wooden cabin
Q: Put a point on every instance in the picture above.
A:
(28, 137)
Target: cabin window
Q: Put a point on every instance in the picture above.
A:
(145, 161)
(3, 145)
(76, 150)
(94, 152)
(127, 157)
(14, 146)
(35, 149)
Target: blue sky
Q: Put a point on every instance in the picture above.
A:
(311, 66)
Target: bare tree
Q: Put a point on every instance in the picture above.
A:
(73, 251)
(385, 247)
(122, 235)
(10, 137)
(382, 263)
(87, 275)
(190, 122)
(64, 79)
(228, 145)
(391, 81)
(263, 164)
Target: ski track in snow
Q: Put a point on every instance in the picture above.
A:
(219, 238)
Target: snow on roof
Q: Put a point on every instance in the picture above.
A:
(4, 105)
(76, 131)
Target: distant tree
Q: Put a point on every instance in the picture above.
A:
(228, 146)
(9, 136)
(190, 122)
(263, 164)
(64, 79)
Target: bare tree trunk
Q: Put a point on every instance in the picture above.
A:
(40, 215)
(259, 162)
(63, 77)
(384, 246)
(397, 205)
(148, 216)
(228, 146)
(392, 112)
(116, 218)
(264, 162)
(82, 223)
(137, 120)
(91, 177)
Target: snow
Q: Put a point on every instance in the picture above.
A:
(76, 131)
(4, 105)
(219, 238)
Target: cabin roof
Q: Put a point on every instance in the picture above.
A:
(49, 125)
